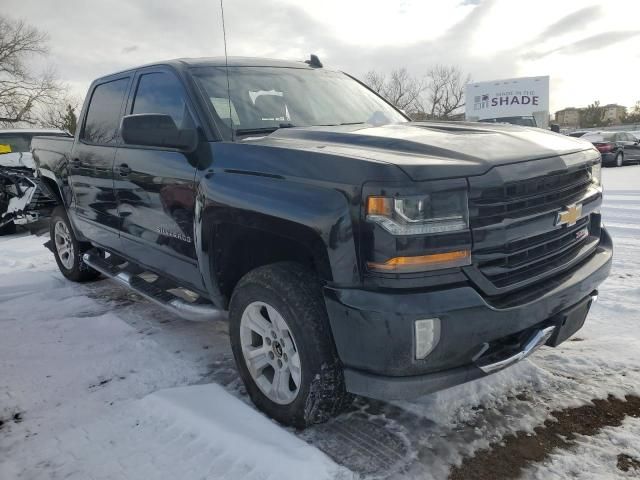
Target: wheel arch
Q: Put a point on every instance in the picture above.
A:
(244, 222)
(53, 188)
(234, 249)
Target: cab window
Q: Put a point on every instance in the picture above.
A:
(103, 116)
(161, 92)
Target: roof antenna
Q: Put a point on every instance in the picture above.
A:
(313, 61)
(226, 64)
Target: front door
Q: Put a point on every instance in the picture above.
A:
(94, 207)
(631, 148)
(155, 186)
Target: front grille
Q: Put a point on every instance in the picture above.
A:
(528, 196)
(532, 256)
(506, 253)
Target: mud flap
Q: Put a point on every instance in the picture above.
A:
(49, 245)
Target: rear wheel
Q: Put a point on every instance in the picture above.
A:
(619, 159)
(283, 346)
(67, 250)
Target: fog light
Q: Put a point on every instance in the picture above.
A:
(427, 336)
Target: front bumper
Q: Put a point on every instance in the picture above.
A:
(374, 330)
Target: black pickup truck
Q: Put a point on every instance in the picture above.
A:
(351, 249)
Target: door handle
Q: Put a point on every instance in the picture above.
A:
(124, 169)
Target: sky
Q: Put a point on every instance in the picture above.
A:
(590, 49)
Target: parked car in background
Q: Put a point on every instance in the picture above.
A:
(577, 134)
(616, 148)
(22, 199)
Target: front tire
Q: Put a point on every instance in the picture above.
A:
(67, 250)
(283, 347)
(619, 159)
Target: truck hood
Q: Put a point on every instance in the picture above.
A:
(17, 160)
(432, 150)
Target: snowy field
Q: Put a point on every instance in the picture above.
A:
(96, 383)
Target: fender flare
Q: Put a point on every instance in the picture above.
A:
(314, 216)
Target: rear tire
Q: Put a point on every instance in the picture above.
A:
(277, 310)
(8, 229)
(619, 159)
(67, 250)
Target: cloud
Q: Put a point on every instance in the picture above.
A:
(597, 42)
(576, 20)
(488, 38)
(589, 44)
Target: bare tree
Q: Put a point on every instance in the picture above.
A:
(445, 91)
(437, 95)
(23, 93)
(375, 81)
(61, 114)
(400, 88)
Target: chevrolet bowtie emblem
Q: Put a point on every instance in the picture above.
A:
(570, 216)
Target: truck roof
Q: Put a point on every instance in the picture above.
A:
(181, 63)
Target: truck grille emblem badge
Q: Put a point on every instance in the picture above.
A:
(569, 216)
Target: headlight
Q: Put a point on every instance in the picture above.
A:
(596, 174)
(436, 212)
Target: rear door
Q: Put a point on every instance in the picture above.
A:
(94, 208)
(155, 186)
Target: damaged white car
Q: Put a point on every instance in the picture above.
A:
(23, 199)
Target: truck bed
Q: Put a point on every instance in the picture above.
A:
(44, 149)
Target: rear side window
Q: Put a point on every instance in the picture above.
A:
(103, 116)
(161, 92)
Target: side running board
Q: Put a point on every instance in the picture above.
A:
(154, 288)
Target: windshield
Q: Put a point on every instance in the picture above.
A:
(267, 98)
(21, 142)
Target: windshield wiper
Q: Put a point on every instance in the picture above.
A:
(353, 123)
(262, 130)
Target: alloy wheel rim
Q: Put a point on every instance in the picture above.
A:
(64, 245)
(270, 352)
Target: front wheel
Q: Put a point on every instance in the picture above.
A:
(619, 159)
(67, 250)
(283, 346)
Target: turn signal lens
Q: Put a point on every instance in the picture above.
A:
(423, 263)
(379, 206)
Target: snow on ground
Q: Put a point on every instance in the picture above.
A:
(97, 383)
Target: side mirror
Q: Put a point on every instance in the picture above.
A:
(156, 130)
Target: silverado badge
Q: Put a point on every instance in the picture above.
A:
(569, 216)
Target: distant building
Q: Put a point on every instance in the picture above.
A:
(571, 117)
(568, 118)
(614, 113)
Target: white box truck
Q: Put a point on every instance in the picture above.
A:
(521, 101)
